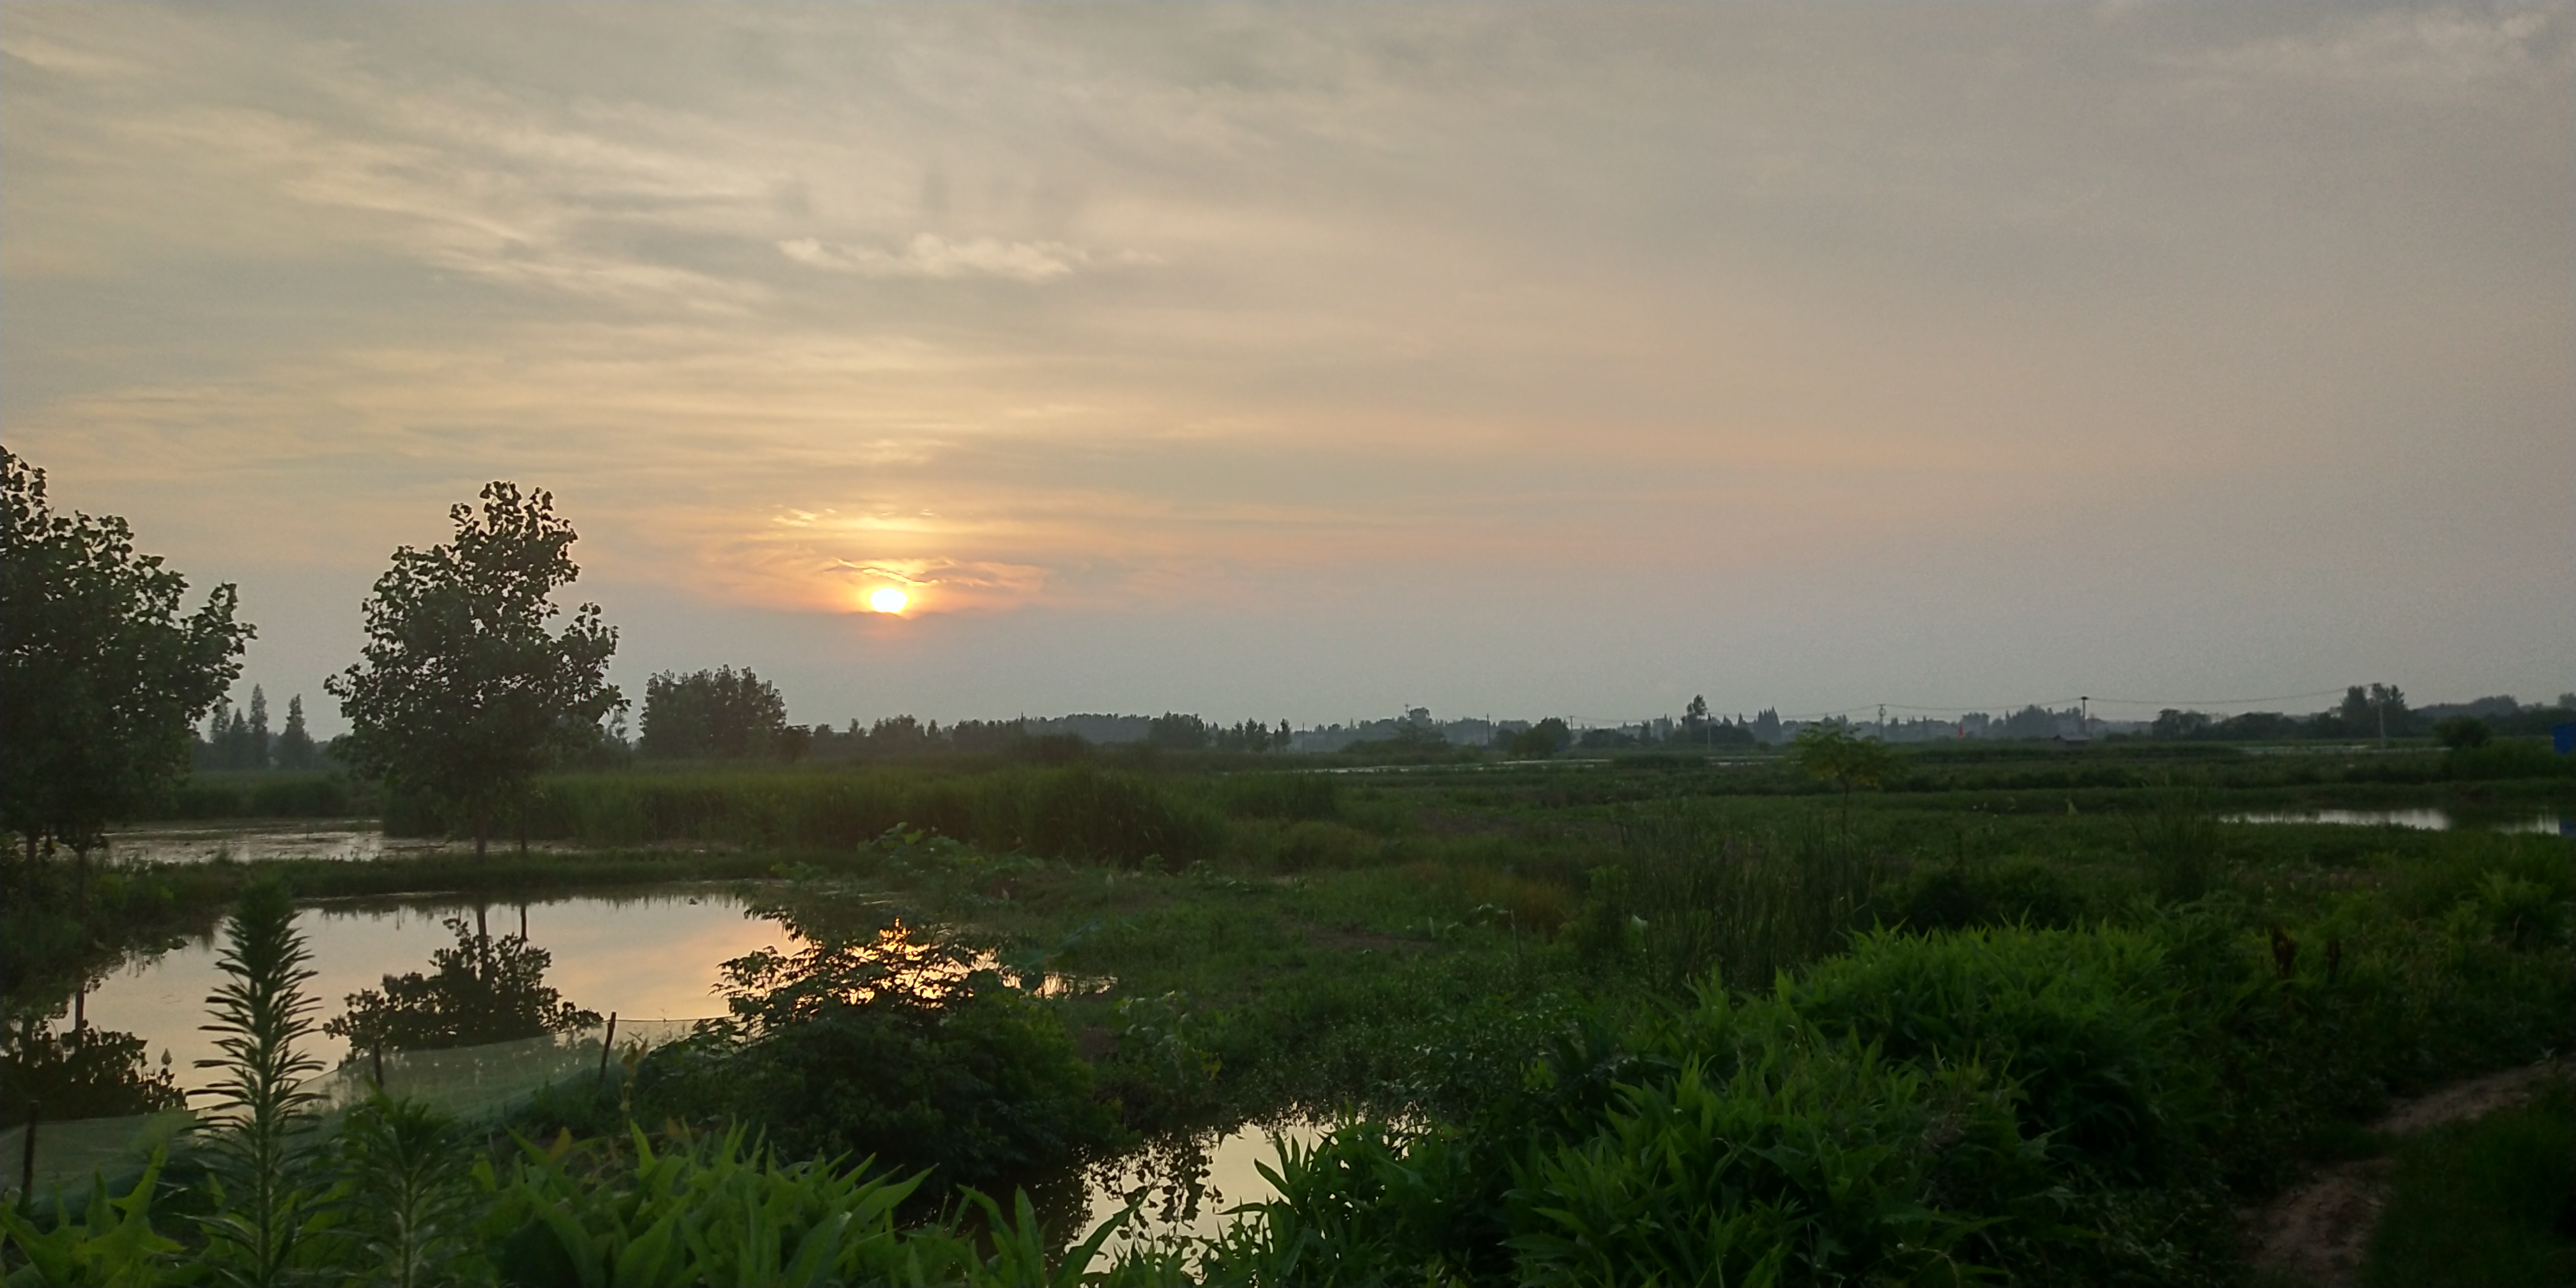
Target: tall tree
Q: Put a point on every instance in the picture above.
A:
(255, 736)
(463, 692)
(295, 749)
(102, 676)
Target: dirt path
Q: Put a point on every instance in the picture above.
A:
(2317, 1233)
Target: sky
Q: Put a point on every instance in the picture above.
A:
(1310, 362)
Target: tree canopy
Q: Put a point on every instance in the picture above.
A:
(723, 713)
(464, 693)
(102, 673)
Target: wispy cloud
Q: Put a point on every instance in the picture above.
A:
(1109, 311)
(928, 255)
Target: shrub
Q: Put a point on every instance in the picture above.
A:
(887, 1046)
(2087, 1023)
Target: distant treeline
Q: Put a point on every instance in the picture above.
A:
(725, 714)
(239, 738)
(2369, 712)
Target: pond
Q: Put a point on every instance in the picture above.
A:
(647, 957)
(652, 959)
(1183, 1187)
(2541, 822)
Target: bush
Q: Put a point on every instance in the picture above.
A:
(892, 1047)
(2088, 1024)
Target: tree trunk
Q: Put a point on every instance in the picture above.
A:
(482, 831)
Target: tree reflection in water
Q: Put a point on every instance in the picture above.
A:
(480, 991)
(85, 1073)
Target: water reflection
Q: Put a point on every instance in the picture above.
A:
(353, 840)
(2544, 823)
(481, 990)
(647, 957)
(86, 1072)
(1184, 1186)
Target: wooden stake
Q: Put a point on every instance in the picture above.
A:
(605, 1043)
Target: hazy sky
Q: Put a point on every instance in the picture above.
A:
(1304, 361)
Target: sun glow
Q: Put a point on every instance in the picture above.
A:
(887, 599)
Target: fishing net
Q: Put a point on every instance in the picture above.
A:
(478, 1083)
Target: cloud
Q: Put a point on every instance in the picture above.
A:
(928, 255)
(2423, 49)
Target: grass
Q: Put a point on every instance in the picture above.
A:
(1407, 944)
(2491, 1202)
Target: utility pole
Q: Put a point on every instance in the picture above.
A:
(2084, 716)
(1882, 722)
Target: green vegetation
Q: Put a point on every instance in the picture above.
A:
(101, 676)
(463, 693)
(2490, 1202)
(2034, 1016)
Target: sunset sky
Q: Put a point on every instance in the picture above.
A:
(1305, 361)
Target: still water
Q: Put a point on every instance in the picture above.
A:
(648, 958)
(2541, 822)
(645, 957)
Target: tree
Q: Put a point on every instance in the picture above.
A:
(723, 713)
(1541, 740)
(1829, 751)
(295, 749)
(464, 693)
(102, 678)
(2463, 733)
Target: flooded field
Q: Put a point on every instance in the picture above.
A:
(350, 839)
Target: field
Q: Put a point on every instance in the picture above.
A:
(2020, 1013)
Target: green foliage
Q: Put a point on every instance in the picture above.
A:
(2088, 1024)
(110, 1243)
(2504, 758)
(1829, 752)
(262, 1109)
(482, 990)
(2462, 733)
(713, 1210)
(102, 677)
(463, 692)
(1291, 797)
(2490, 1202)
(888, 1044)
(1723, 1143)
(721, 714)
(1961, 895)
(405, 1199)
(1541, 740)
(1690, 896)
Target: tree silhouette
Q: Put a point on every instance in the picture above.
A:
(463, 693)
(102, 678)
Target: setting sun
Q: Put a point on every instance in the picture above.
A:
(887, 599)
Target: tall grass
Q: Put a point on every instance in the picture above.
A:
(2488, 1202)
(1690, 895)
(1074, 812)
